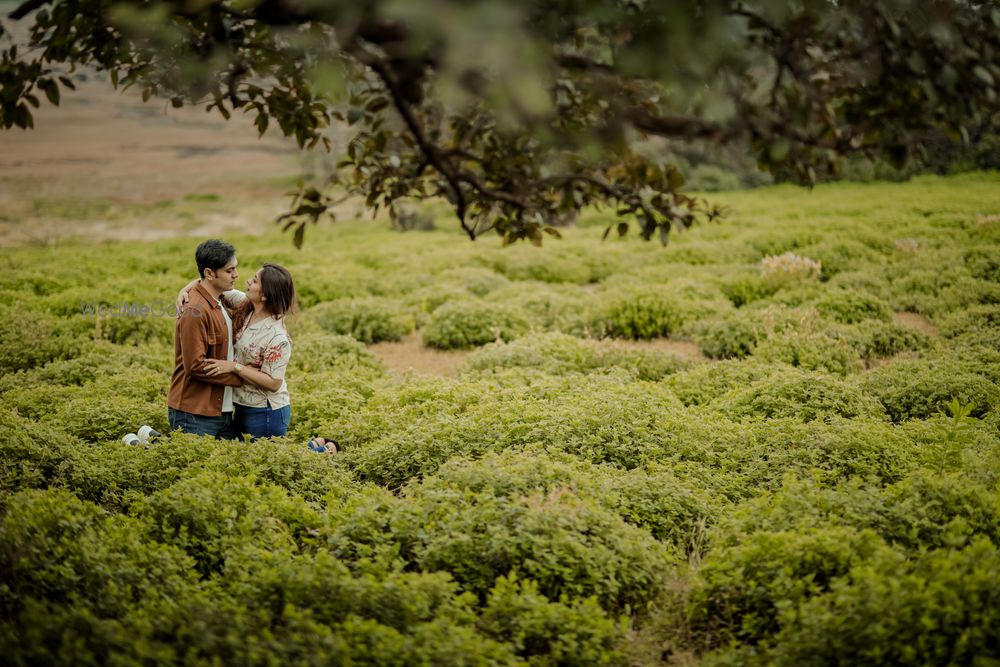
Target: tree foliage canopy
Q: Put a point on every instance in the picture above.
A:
(521, 112)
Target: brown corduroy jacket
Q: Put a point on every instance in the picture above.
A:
(199, 334)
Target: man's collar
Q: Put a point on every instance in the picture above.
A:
(213, 301)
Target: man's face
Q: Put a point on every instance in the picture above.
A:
(225, 278)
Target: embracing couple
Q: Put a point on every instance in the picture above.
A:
(231, 350)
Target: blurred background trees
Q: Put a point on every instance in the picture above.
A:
(521, 113)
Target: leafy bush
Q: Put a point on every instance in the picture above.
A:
(212, 514)
(559, 354)
(319, 352)
(742, 589)
(569, 544)
(547, 266)
(30, 338)
(794, 336)
(873, 339)
(704, 383)
(852, 306)
(552, 633)
(789, 269)
(553, 307)
(31, 453)
(464, 324)
(812, 348)
(940, 609)
(406, 432)
(796, 393)
(744, 289)
(321, 399)
(919, 388)
(733, 336)
(673, 509)
(981, 320)
(369, 320)
(478, 281)
(641, 315)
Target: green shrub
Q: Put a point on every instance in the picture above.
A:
(874, 339)
(919, 388)
(939, 609)
(983, 263)
(30, 338)
(321, 399)
(521, 262)
(981, 319)
(552, 633)
(672, 509)
(568, 544)
(369, 319)
(320, 352)
(478, 281)
(852, 306)
(552, 307)
(559, 354)
(829, 451)
(406, 432)
(31, 454)
(641, 315)
(345, 280)
(733, 336)
(744, 289)
(465, 324)
(838, 255)
(830, 350)
(100, 359)
(928, 509)
(704, 383)
(741, 590)
(797, 393)
(212, 514)
(71, 574)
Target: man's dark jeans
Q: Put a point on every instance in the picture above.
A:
(222, 427)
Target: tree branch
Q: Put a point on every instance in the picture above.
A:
(26, 8)
(429, 150)
(675, 126)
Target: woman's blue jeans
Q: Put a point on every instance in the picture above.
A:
(263, 422)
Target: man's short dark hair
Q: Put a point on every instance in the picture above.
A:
(213, 254)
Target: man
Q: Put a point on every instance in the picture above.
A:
(197, 402)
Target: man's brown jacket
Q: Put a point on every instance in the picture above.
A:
(200, 334)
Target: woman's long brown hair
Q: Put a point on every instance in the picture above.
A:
(278, 290)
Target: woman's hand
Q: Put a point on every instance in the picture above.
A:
(182, 296)
(215, 367)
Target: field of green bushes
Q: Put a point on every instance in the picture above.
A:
(822, 486)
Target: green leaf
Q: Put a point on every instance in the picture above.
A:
(622, 229)
(300, 233)
(983, 74)
(51, 90)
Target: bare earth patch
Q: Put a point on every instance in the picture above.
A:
(915, 321)
(410, 354)
(685, 349)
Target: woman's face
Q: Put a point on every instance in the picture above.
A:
(253, 287)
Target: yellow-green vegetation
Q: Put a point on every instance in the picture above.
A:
(822, 487)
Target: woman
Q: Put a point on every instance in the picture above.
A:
(261, 351)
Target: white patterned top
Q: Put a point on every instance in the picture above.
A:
(266, 345)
